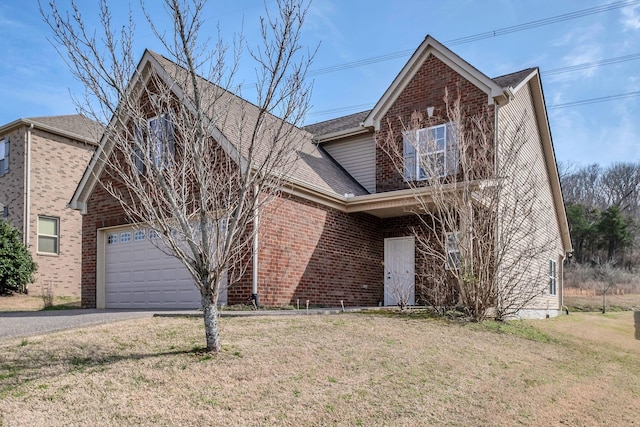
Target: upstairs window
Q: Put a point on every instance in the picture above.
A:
(430, 152)
(155, 142)
(4, 156)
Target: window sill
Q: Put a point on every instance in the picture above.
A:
(47, 254)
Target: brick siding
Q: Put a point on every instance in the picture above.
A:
(57, 164)
(312, 252)
(426, 89)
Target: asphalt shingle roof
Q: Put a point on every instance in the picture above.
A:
(72, 123)
(337, 124)
(309, 164)
(513, 79)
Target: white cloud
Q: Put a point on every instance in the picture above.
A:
(320, 21)
(631, 18)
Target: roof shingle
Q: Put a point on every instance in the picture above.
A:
(72, 123)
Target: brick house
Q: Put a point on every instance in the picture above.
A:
(341, 229)
(41, 162)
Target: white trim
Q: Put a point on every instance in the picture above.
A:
(54, 236)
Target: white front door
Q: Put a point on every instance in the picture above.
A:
(399, 272)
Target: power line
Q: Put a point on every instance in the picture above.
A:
(542, 22)
(587, 65)
(362, 107)
(555, 71)
(594, 100)
(355, 108)
(481, 36)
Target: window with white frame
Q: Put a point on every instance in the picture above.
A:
(155, 141)
(48, 235)
(553, 278)
(4, 156)
(138, 235)
(125, 237)
(453, 250)
(430, 152)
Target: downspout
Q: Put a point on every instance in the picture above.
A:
(27, 188)
(254, 281)
(562, 306)
(495, 173)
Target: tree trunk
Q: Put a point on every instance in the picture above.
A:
(211, 324)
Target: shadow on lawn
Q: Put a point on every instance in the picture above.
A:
(35, 364)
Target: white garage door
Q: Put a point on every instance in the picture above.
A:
(139, 275)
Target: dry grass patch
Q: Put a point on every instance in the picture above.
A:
(594, 302)
(21, 302)
(349, 369)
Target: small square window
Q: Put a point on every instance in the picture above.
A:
(153, 234)
(138, 235)
(112, 239)
(125, 237)
(48, 235)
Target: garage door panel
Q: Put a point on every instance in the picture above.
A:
(139, 275)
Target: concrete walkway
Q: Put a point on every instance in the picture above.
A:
(28, 323)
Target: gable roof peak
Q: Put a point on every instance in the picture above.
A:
(431, 46)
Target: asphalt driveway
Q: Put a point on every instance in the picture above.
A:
(18, 324)
(28, 323)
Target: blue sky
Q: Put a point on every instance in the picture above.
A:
(34, 81)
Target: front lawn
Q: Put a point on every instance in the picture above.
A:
(347, 369)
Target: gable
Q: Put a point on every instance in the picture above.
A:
(312, 168)
(427, 88)
(432, 48)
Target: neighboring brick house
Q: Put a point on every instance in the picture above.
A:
(41, 162)
(341, 229)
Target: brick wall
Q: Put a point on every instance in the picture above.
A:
(309, 251)
(102, 211)
(427, 88)
(57, 165)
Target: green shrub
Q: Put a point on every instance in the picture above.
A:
(16, 264)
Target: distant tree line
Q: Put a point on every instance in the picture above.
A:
(603, 210)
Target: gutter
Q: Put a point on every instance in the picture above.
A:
(27, 187)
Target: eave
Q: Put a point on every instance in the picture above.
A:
(55, 131)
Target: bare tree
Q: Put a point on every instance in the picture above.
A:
(609, 275)
(480, 236)
(620, 182)
(184, 155)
